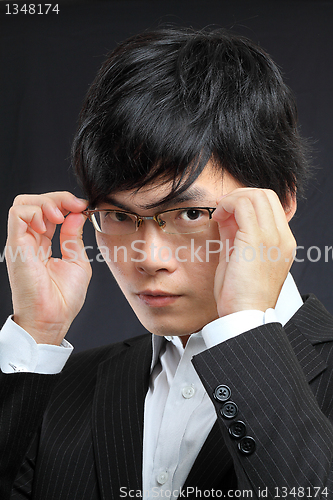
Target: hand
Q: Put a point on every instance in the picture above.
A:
(47, 293)
(251, 275)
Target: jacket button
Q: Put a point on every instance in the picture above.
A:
(222, 393)
(229, 410)
(237, 429)
(247, 445)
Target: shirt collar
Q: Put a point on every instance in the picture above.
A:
(195, 344)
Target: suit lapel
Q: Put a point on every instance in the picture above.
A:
(118, 412)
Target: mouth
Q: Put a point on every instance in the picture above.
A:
(157, 298)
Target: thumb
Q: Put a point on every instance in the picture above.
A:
(71, 243)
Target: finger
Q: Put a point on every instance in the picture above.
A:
(228, 229)
(257, 194)
(264, 211)
(68, 202)
(50, 228)
(225, 207)
(71, 243)
(287, 238)
(54, 205)
(243, 211)
(272, 227)
(280, 214)
(270, 214)
(22, 217)
(258, 199)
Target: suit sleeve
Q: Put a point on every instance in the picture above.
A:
(23, 400)
(279, 438)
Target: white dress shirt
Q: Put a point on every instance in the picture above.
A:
(178, 413)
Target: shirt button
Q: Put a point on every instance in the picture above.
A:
(188, 392)
(162, 477)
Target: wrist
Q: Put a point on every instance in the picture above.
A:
(245, 303)
(236, 308)
(42, 333)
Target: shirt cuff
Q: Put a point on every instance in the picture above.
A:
(229, 326)
(20, 353)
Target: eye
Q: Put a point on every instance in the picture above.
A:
(120, 216)
(191, 214)
(116, 216)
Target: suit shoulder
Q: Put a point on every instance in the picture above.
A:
(90, 359)
(314, 321)
(80, 373)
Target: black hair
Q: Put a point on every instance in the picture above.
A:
(165, 102)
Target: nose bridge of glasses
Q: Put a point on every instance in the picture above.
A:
(161, 223)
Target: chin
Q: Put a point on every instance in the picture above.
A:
(173, 327)
(176, 322)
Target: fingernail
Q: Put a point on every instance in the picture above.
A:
(57, 211)
(81, 200)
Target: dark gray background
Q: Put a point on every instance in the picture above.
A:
(47, 63)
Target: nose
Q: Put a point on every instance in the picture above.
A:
(153, 250)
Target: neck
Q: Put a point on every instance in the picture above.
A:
(184, 339)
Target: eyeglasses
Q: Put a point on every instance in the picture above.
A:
(186, 220)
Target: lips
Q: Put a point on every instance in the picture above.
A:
(157, 293)
(157, 298)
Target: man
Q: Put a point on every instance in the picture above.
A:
(189, 156)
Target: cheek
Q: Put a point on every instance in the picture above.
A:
(201, 279)
(115, 255)
(202, 261)
(206, 249)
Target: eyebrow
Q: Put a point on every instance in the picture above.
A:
(193, 194)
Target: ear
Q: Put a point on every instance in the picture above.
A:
(290, 207)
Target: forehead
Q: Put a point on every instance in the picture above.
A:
(206, 189)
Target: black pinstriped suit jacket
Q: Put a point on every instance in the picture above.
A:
(83, 441)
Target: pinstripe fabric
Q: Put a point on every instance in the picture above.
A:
(269, 383)
(17, 426)
(90, 442)
(91, 406)
(119, 427)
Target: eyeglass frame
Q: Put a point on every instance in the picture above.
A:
(139, 219)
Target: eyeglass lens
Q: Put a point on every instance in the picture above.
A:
(180, 221)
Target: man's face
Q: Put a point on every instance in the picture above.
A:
(169, 297)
